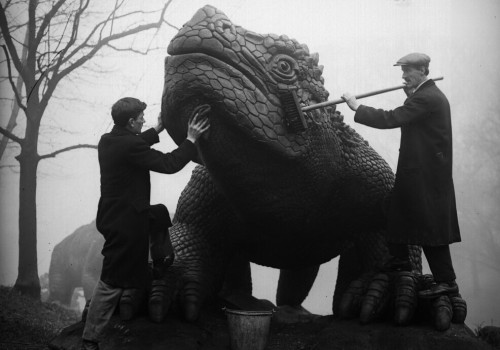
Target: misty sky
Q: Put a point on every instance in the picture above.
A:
(358, 43)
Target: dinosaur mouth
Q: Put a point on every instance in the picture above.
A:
(195, 78)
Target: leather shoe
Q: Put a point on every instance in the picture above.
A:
(439, 289)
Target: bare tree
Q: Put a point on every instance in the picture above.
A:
(44, 42)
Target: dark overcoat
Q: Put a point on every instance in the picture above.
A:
(422, 208)
(123, 213)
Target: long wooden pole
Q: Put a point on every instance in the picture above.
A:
(367, 94)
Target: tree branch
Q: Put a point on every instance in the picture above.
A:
(104, 41)
(110, 19)
(15, 109)
(74, 32)
(57, 76)
(10, 45)
(66, 149)
(46, 20)
(130, 49)
(7, 3)
(11, 136)
(171, 25)
(11, 80)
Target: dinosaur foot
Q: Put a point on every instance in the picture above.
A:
(247, 302)
(352, 300)
(293, 314)
(394, 295)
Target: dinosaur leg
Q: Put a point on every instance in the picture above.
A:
(293, 288)
(202, 236)
(238, 277)
(294, 285)
(349, 292)
(197, 273)
(236, 292)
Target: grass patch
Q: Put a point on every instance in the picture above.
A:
(30, 324)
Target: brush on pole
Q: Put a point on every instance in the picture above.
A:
(367, 94)
(294, 118)
(294, 114)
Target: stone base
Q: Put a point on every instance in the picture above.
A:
(323, 333)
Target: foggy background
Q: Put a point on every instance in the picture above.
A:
(358, 42)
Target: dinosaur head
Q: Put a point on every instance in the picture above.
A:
(241, 74)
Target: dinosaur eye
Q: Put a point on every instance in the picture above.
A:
(284, 68)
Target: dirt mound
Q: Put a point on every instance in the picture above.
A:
(29, 324)
(323, 333)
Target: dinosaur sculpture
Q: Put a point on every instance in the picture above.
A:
(270, 192)
(76, 262)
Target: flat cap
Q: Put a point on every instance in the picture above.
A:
(414, 59)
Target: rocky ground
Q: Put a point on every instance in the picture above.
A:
(27, 324)
(324, 333)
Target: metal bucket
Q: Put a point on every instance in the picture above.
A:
(248, 330)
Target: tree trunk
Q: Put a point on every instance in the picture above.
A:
(28, 282)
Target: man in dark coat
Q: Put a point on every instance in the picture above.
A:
(422, 209)
(124, 216)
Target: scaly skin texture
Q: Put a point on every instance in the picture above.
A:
(265, 193)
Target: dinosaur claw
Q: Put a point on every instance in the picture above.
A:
(443, 313)
(350, 302)
(403, 315)
(192, 300)
(459, 307)
(375, 299)
(405, 298)
(159, 303)
(191, 311)
(130, 303)
(366, 314)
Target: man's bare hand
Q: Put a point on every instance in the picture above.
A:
(159, 125)
(408, 91)
(351, 101)
(198, 122)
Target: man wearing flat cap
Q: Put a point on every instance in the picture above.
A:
(132, 228)
(422, 209)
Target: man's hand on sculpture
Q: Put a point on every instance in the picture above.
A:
(198, 122)
(351, 101)
(159, 125)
